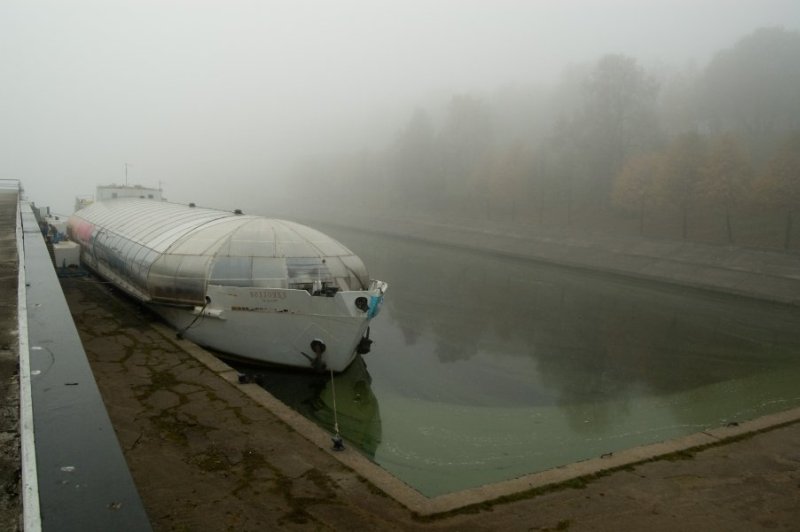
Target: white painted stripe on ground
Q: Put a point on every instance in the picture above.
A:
(31, 514)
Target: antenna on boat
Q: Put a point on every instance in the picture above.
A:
(338, 443)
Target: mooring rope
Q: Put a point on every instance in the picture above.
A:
(338, 445)
(181, 332)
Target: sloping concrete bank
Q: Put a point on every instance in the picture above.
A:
(767, 275)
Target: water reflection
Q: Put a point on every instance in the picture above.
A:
(312, 395)
(588, 337)
(488, 368)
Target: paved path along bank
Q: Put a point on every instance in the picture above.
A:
(205, 456)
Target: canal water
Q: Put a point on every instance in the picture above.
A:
(486, 368)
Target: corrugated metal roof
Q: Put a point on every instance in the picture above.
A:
(155, 225)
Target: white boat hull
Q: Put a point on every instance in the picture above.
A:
(278, 326)
(258, 288)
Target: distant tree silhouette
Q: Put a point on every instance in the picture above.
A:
(779, 185)
(414, 163)
(682, 171)
(727, 176)
(635, 185)
(619, 116)
(752, 88)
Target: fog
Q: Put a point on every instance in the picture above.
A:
(221, 102)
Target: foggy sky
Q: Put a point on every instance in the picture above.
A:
(215, 100)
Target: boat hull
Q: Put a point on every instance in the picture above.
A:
(278, 326)
(258, 288)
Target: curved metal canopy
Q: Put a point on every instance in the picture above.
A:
(171, 252)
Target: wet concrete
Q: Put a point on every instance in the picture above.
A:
(205, 454)
(82, 477)
(10, 508)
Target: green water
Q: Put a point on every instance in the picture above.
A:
(484, 368)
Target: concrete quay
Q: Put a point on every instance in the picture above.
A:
(208, 453)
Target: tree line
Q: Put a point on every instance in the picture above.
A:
(708, 153)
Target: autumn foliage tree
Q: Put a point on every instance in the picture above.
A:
(618, 119)
(564, 165)
(608, 134)
(683, 167)
(726, 177)
(779, 185)
(507, 184)
(465, 145)
(414, 164)
(634, 186)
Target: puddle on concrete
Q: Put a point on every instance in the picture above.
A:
(485, 368)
